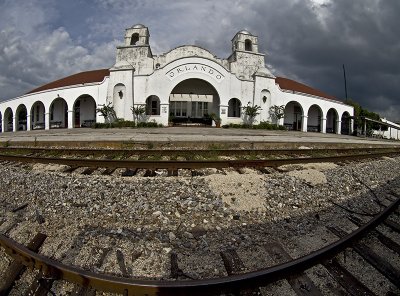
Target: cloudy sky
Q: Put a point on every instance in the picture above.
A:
(305, 40)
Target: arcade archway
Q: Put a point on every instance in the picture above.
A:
(193, 100)
(293, 116)
(84, 111)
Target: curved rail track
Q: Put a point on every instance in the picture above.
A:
(236, 283)
(248, 158)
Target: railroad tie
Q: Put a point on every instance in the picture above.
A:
(299, 282)
(392, 224)
(348, 281)
(108, 171)
(379, 263)
(41, 286)
(16, 269)
(234, 265)
(89, 171)
(388, 242)
(129, 172)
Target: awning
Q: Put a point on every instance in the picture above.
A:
(190, 98)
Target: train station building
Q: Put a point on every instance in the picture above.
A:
(186, 84)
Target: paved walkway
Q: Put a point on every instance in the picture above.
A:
(183, 134)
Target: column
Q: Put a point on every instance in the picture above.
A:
(338, 127)
(223, 114)
(351, 127)
(304, 123)
(164, 113)
(323, 126)
(28, 122)
(15, 124)
(47, 121)
(3, 123)
(70, 119)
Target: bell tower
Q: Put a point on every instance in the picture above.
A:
(245, 61)
(245, 41)
(136, 51)
(137, 35)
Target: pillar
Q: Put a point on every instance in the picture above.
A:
(223, 113)
(47, 121)
(304, 123)
(338, 127)
(323, 130)
(70, 119)
(351, 127)
(15, 123)
(28, 122)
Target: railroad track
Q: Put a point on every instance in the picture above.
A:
(330, 262)
(154, 160)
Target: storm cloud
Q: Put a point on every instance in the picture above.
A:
(305, 40)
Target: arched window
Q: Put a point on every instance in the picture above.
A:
(134, 38)
(247, 45)
(153, 105)
(234, 106)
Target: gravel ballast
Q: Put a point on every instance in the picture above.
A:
(146, 218)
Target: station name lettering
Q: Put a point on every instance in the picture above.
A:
(195, 68)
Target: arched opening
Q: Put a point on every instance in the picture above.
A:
(21, 115)
(153, 105)
(345, 128)
(84, 111)
(134, 38)
(1, 122)
(119, 96)
(248, 45)
(192, 101)
(314, 123)
(8, 120)
(37, 116)
(293, 116)
(331, 121)
(234, 108)
(59, 113)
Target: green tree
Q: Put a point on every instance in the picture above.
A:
(250, 113)
(276, 113)
(108, 112)
(138, 113)
(359, 113)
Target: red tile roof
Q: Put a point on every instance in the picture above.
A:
(288, 84)
(79, 78)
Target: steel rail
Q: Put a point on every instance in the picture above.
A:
(197, 151)
(180, 164)
(107, 283)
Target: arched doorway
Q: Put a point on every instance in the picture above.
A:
(152, 106)
(21, 114)
(37, 115)
(192, 101)
(59, 113)
(345, 128)
(8, 120)
(293, 116)
(84, 111)
(314, 122)
(234, 108)
(331, 121)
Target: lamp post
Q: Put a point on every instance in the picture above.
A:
(133, 92)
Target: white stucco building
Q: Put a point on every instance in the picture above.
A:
(186, 83)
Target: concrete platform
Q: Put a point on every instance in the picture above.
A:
(194, 137)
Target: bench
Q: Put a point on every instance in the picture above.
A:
(38, 125)
(88, 123)
(55, 124)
